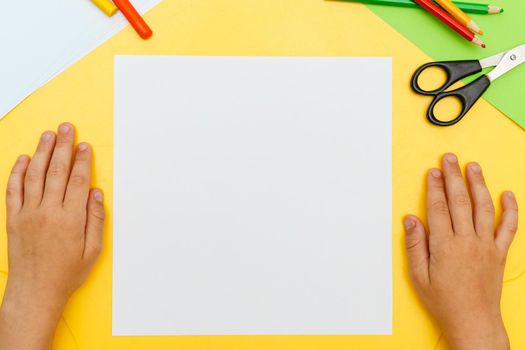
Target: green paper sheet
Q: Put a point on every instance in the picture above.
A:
(502, 32)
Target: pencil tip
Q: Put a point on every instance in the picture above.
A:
(478, 42)
(474, 27)
(495, 9)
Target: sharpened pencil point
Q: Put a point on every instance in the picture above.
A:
(478, 42)
(474, 27)
(495, 9)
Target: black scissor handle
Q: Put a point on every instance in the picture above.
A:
(456, 70)
(468, 95)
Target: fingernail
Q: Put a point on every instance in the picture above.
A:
(409, 223)
(64, 128)
(435, 173)
(47, 136)
(510, 195)
(98, 196)
(475, 168)
(22, 158)
(451, 158)
(83, 147)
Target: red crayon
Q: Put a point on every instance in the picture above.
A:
(444, 17)
(134, 18)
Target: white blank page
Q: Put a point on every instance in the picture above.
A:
(252, 196)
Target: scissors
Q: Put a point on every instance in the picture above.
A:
(468, 94)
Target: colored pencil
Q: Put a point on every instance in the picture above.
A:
(459, 15)
(468, 7)
(480, 9)
(447, 19)
(134, 18)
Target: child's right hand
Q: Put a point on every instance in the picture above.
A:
(457, 268)
(54, 224)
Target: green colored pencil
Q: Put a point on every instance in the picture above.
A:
(465, 6)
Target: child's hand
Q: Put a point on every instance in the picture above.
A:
(54, 225)
(457, 268)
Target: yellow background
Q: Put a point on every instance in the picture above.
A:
(84, 95)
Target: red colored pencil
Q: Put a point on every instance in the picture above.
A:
(134, 18)
(444, 17)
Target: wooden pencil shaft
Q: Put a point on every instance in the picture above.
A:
(448, 20)
(454, 11)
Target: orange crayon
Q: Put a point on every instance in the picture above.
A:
(134, 18)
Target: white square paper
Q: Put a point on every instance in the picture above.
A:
(252, 196)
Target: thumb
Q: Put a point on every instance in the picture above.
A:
(509, 222)
(96, 216)
(417, 249)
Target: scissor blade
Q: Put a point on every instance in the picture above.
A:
(492, 61)
(510, 60)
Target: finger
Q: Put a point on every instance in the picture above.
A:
(482, 201)
(457, 196)
(438, 215)
(417, 250)
(15, 186)
(60, 165)
(95, 224)
(77, 191)
(36, 172)
(509, 222)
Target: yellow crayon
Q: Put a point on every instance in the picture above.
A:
(106, 6)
